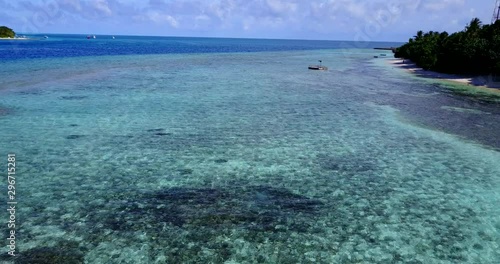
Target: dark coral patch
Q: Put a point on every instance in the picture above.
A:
(73, 97)
(75, 136)
(185, 171)
(346, 164)
(163, 134)
(4, 111)
(258, 208)
(159, 132)
(155, 130)
(67, 253)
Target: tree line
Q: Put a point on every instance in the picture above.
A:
(6, 32)
(474, 50)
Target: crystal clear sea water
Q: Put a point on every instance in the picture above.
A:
(192, 150)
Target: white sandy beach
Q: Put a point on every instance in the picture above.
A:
(483, 82)
(14, 38)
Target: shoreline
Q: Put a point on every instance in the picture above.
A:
(14, 38)
(483, 83)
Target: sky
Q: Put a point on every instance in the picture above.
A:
(368, 20)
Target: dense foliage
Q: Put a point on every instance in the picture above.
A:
(475, 50)
(6, 32)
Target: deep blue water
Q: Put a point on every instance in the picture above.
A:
(79, 45)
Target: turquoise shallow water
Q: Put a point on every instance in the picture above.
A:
(248, 158)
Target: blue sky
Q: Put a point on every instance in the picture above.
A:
(374, 20)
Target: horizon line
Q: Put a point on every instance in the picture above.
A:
(171, 36)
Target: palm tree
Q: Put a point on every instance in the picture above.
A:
(474, 27)
(419, 36)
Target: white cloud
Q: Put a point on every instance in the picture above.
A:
(172, 21)
(221, 9)
(357, 9)
(158, 18)
(101, 6)
(282, 7)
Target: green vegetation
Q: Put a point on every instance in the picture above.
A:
(475, 50)
(6, 32)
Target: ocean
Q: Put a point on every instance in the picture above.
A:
(206, 150)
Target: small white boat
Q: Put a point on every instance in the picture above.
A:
(318, 67)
